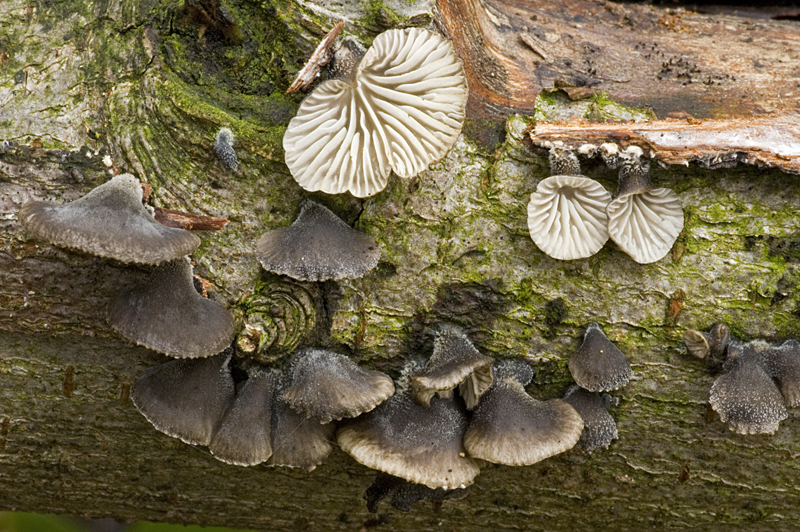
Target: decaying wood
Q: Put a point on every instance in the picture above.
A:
(321, 57)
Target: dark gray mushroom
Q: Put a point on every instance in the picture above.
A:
(166, 314)
(327, 386)
(111, 222)
(455, 362)
(243, 437)
(186, 399)
(223, 146)
(512, 428)
(783, 364)
(407, 440)
(318, 246)
(298, 441)
(711, 346)
(745, 396)
(404, 493)
(598, 365)
(599, 428)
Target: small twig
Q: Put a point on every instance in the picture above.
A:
(192, 222)
(320, 58)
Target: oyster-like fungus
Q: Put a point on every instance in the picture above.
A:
(567, 216)
(783, 364)
(710, 346)
(318, 246)
(400, 108)
(407, 440)
(512, 428)
(186, 399)
(296, 440)
(599, 428)
(166, 314)
(598, 365)
(644, 221)
(455, 362)
(404, 493)
(745, 396)
(327, 386)
(243, 437)
(111, 222)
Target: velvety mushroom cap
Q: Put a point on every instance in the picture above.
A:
(567, 216)
(402, 111)
(296, 440)
(404, 493)
(454, 361)
(783, 364)
(644, 221)
(186, 399)
(111, 222)
(166, 314)
(407, 440)
(327, 386)
(243, 437)
(696, 343)
(598, 365)
(563, 162)
(599, 428)
(745, 396)
(512, 428)
(318, 246)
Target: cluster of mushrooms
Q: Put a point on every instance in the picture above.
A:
(397, 107)
(757, 380)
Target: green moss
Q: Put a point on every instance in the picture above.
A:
(555, 105)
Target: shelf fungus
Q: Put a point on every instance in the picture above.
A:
(186, 399)
(643, 221)
(567, 213)
(599, 428)
(327, 386)
(455, 362)
(710, 346)
(318, 246)
(745, 396)
(244, 435)
(407, 440)
(512, 428)
(110, 222)
(166, 314)
(598, 365)
(398, 108)
(783, 365)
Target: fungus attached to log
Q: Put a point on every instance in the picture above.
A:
(327, 386)
(783, 365)
(400, 108)
(111, 222)
(454, 362)
(224, 149)
(296, 440)
(166, 314)
(711, 346)
(318, 246)
(407, 440)
(599, 428)
(404, 493)
(243, 437)
(186, 399)
(512, 428)
(598, 365)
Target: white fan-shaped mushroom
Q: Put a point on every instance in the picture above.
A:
(642, 220)
(403, 112)
(567, 216)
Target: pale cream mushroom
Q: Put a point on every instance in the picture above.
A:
(400, 108)
(644, 221)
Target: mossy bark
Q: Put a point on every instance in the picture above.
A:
(88, 88)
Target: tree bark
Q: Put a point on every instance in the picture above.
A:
(92, 88)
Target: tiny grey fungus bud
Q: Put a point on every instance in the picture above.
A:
(224, 149)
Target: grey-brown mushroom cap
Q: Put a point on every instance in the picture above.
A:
(186, 399)
(318, 246)
(599, 428)
(327, 386)
(166, 314)
(110, 221)
(243, 437)
(645, 225)
(512, 428)
(403, 111)
(598, 365)
(746, 397)
(567, 216)
(407, 440)
(783, 364)
(696, 343)
(296, 440)
(454, 361)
